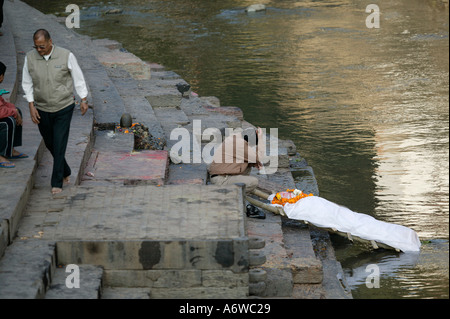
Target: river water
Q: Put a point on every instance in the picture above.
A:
(367, 107)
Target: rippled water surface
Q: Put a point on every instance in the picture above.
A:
(368, 108)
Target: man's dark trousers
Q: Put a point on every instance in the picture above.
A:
(10, 132)
(54, 128)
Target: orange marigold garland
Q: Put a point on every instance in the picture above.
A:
(290, 196)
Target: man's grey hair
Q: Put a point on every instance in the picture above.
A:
(41, 32)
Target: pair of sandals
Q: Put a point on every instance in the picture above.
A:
(11, 164)
(254, 212)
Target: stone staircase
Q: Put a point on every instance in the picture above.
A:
(280, 261)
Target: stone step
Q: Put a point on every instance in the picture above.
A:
(133, 95)
(27, 269)
(128, 168)
(306, 268)
(176, 283)
(163, 97)
(125, 293)
(113, 58)
(166, 75)
(171, 117)
(13, 199)
(290, 256)
(89, 285)
(186, 174)
(107, 103)
(142, 227)
(278, 281)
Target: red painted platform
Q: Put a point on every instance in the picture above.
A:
(143, 167)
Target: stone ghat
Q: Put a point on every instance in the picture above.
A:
(139, 224)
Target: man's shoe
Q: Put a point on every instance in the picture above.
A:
(254, 212)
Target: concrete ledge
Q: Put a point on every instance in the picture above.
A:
(125, 293)
(107, 103)
(199, 293)
(183, 278)
(90, 284)
(14, 198)
(126, 60)
(157, 254)
(26, 269)
(163, 97)
(130, 168)
(306, 270)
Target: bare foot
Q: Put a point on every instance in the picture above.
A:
(66, 180)
(56, 190)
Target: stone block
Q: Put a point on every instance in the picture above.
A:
(26, 269)
(289, 145)
(146, 255)
(107, 43)
(90, 277)
(133, 168)
(153, 278)
(306, 180)
(211, 101)
(126, 60)
(279, 283)
(257, 275)
(13, 199)
(226, 110)
(107, 104)
(126, 293)
(200, 293)
(256, 243)
(283, 158)
(224, 278)
(165, 75)
(155, 67)
(164, 100)
(171, 115)
(257, 288)
(306, 270)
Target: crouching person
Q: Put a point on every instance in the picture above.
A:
(233, 162)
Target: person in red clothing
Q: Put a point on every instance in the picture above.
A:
(10, 129)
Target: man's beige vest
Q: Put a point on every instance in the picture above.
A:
(52, 81)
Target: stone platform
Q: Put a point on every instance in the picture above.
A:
(146, 230)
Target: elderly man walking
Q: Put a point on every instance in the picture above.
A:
(50, 74)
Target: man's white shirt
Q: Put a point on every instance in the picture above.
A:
(75, 70)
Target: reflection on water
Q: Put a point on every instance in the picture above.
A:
(368, 108)
(404, 275)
